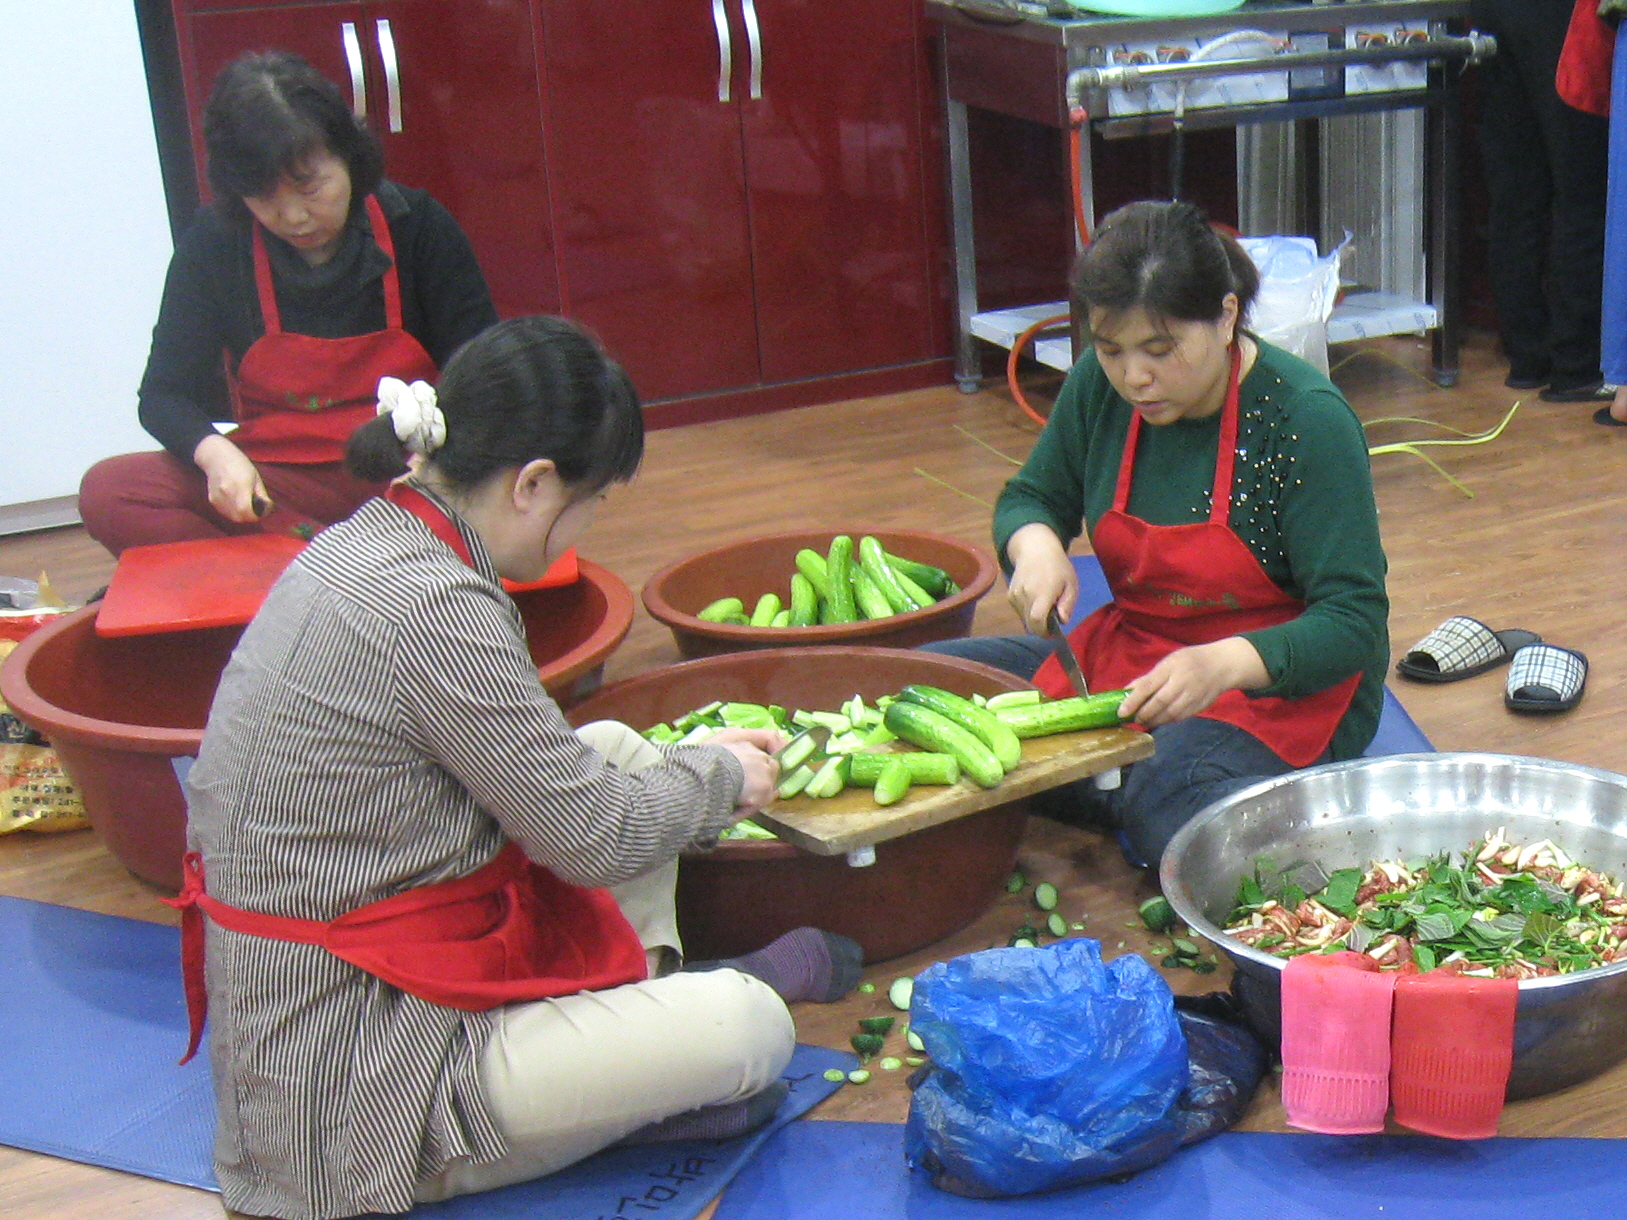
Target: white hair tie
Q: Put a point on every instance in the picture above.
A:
(419, 424)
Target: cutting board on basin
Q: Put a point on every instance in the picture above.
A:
(221, 582)
(852, 819)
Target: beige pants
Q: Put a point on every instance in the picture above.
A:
(564, 1078)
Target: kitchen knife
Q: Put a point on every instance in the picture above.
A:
(1064, 654)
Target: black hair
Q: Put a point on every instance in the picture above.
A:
(525, 389)
(1167, 260)
(268, 113)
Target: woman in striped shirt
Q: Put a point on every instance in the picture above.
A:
(441, 948)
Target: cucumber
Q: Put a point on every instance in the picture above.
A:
(858, 1076)
(913, 590)
(931, 730)
(782, 619)
(877, 1025)
(768, 605)
(798, 751)
(891, 1063)
(867, 1046)
(1056, 925)
(893, 782)
(661, 734)
(900, 993)
(835, 1075)
(804, 600)
(1064, 715)
(834, 721)
(1045, 896)
(913, 1039)
(747, 716)
(811, 567)
(879, 734)
(994, 734)
(796, 783)
(1013, 698)
(723, 608)
(934, 580)
(839, 578)
(830, 779)
(869, 599)
(866, 769)
(874, 562)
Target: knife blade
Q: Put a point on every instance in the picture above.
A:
(1064, 654)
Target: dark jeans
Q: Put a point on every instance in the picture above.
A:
(1196, 762)
(1545, 178)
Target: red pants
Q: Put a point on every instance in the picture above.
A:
(141, 498)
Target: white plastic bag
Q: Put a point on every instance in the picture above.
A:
(1297, 291)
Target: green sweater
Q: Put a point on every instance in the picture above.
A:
(1302, 501)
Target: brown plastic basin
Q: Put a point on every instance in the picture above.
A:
(119, 711)
(755, 566)
(740, 895)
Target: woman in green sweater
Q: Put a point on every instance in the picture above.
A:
(1224, 487)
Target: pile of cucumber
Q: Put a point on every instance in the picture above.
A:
(845, 585)
(977, 737)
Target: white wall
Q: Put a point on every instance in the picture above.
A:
(84, 240)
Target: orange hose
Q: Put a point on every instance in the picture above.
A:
(1011, 364)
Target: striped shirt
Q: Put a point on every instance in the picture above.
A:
(381, 726)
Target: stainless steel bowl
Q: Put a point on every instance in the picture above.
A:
(1343, 815)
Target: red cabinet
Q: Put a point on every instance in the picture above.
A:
(732, 194)
(455, 102)
(739, 188)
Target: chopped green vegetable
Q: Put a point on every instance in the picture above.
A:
(835, 1075)
(890, 1064)
(876, 1025)
(900, 993)
(914, 1039)
(1157, 915)
(858, 1076)
(1015, 883)
(1184, 947)
(867, 989)
(1056, 925)
(1022, 942)
(1045, 896)
(914, 1061)
(867, 1046)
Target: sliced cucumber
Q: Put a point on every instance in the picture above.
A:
(858, 1076)
(900, 993)
(1045, 896)
(914, 1040)
(924, 768)
(890, 1064)
(799, 751)
(1013, 698)
(893, 782)
(1056, 925)
(835, 1075)
(830, 779)
(796, 783)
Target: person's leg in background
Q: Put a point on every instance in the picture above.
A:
(1519, 185)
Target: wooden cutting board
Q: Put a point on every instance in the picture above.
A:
(852, 819)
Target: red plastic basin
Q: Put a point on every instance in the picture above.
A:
(119, 710)
(740, 895)
(755, 566)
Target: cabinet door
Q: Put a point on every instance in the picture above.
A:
(459, 111)
(649, 190)
(834, 175)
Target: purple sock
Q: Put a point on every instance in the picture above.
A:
(715, 1122)
(804, 964)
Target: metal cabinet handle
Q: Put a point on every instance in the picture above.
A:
(392, 71)
(725, 50)
(754, 40)
(353, 56)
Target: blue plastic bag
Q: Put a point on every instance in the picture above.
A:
(1049, 1069)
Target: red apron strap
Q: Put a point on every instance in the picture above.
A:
(403, 495)
(1220, 497)
(392, 279)
(269, 316)
(197, 997)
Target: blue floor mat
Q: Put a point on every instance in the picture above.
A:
(94, 1020)
(1397, 733)
(839, 1171)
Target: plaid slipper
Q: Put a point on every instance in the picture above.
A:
(1461, 647)
(1545, 678)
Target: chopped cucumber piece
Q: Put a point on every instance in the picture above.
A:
(1056, 925)
(1184, 947)
(746, 716)
(853, 709)
(832, 721)
(900, 993)
(661, 734)
(1078, 927)
(879, 734)
(1157, 914)
(1015, 883)
(830, 779)
(914, 1061)
(1022, 942)
(746, 831)
(890, 1064)
(876, 1025)
(893, 782)
(1013, 698)
(802, 719)
(796, 783)
(858, 1076)
(782, 619)
(979, 701)
(696, 735)
(867, 989)
(867, 1046)
(799, 751)
(844, 743)
(1045, 896)
(835, 1075)
(914, 1039)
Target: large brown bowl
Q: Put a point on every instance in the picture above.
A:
(755, 566)
(119, 711)
(740, 895)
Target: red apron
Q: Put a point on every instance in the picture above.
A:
(508, 932)
(299, 398)
(1178, 585)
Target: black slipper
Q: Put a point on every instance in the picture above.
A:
(1459, 648)
(1592, 391)
(1545, 678)
(1603, 416)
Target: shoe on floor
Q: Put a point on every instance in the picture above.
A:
(1461, 647)
(1525, 381)
(1545, 678)
(1588, 391)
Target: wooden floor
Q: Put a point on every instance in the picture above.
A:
(1538, 546)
